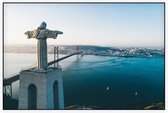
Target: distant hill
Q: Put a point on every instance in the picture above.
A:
(91, 50)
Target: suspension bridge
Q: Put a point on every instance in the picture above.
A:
(7, 82)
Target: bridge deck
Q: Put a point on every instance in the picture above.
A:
(9, 81)
(52, 62)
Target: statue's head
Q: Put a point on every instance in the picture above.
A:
(43, 25)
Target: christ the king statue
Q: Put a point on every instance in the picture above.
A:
(41, 34)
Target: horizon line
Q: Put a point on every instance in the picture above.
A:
(85, 45)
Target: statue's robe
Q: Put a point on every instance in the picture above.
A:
(42, 35)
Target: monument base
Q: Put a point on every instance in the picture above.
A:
(41, 90)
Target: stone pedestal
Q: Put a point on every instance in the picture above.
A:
(47, 92)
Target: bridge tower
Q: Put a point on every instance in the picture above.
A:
(41, 87)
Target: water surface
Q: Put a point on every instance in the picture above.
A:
(104, 82)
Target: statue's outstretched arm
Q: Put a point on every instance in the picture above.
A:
(52, 34)
(32, 34)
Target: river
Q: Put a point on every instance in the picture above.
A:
(101, 81)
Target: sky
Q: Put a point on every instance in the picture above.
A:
(113, 25)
